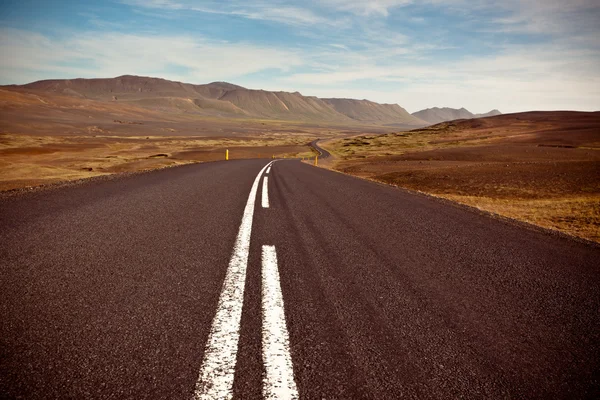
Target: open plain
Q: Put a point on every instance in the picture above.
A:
(48, 137)
(538, 167)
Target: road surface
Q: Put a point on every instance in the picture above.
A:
(322, 152)
(212, 281)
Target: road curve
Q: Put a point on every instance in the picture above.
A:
(350, 290)
(322, 152)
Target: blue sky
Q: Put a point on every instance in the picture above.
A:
(479, 54)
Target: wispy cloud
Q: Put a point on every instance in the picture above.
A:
(366, 8)
(562, 19)
(288, 15)
(277, 12)
(517, 78)
(113, 54)
(481, 54)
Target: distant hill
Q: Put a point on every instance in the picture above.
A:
(492, 113)
(374, 113)
(436, 115)
(225, 99)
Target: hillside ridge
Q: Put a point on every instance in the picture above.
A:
(436, 115)
(228, 100)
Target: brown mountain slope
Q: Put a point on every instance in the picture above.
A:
(492, 113)
(436, 115)
(366, 111)
(216, 90)
(187, 105)
(126, 86)
(283, 105)
(228, 100)
(563, 127)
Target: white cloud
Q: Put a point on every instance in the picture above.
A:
(169, 4)
(549, 17)
(517, 79)
(356, 50)
(266, 11)
(27, 54)
(525, 16)
(366, 7)
(286, 15)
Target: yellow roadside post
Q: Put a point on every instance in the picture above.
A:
(227, 154)
(316, 160)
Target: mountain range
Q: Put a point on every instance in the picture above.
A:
(436, 115)
(224, 99)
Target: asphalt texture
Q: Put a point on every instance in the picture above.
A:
(322, 152)
(108, 290)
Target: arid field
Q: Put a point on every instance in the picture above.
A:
(47, 137)
(538, 167)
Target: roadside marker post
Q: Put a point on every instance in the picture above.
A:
(226, 154)
(316, 160)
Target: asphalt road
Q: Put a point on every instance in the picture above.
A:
(181, 284)
(322, 152)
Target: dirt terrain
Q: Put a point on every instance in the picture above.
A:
(222, 99)
(27, 160)
(46, 137)
(540, 167)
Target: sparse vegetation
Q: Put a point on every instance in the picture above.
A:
(33, 160)
(542, 168)
(96, 135)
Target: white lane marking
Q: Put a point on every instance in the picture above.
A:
(265, 192)
(215, 380)
(278, 382)
(268, 170)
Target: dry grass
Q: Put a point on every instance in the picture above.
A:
(579, 216)
(47, 137)
(27, 160)
(542, 168)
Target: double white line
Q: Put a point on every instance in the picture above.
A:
(220, 356)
